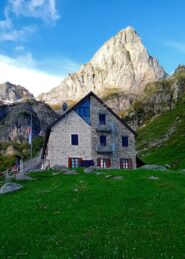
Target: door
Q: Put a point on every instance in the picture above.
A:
(104, 162)
(125, 163)
(74, 162)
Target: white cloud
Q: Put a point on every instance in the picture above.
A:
(19, 71)
(32, 74)
(19, 48)
(15, 35)
(175, 45)
(6, 24)
(42, 9)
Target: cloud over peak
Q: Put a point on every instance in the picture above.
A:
(43, 10)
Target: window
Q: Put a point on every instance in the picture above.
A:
(102, 120)
(125, 163)
(83, 110)
(103, 140)
(74, 139)
(125, 141)
(74, 162)
(104, 162)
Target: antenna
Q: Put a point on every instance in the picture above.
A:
(64, 107)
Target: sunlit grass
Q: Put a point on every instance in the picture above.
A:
(90, 216)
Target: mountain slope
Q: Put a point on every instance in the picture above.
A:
(157, 98)
(122, 64)
(162, 139)
(15, 119)
(12, 93)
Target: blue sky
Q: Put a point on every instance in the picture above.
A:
(43, 40)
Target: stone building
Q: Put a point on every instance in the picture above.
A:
(90, 133)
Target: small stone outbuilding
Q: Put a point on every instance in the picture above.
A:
(90, 133)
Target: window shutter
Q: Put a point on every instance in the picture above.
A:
(121, 163)
(69, 162)
(130, 163)
(80, 161)
(108, 163)
(98, 162)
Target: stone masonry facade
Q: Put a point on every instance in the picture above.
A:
(60, 149)
(113, 137)
(59, 144)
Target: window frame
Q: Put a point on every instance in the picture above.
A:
(125, 141)
(125, 163)
(104, 142)
(102, 121)
(73, 141)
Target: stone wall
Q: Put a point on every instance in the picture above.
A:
(113, 137)
(59, 144)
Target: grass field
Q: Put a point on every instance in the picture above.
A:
(90, 216)
(162, 140)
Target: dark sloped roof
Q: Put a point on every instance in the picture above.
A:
(75, 106)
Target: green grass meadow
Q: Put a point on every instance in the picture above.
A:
(162, 140)
(90, 216)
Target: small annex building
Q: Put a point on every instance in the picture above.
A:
(90, 133)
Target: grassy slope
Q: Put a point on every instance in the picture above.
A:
(171, 151)
(130, 218)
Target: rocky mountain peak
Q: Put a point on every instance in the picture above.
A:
(179, 69)
(12, 93)
(121, 65)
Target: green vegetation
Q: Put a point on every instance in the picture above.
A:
(21, 148)
(90, 216)
(111, 93)
(58, 106)
(162, 140)
(6, 162)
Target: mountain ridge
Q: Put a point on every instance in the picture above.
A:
(10, 93)
(122, 64)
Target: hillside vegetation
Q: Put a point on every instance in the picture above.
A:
(91, 216)
(162, 140)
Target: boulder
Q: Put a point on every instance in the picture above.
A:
(10, 187)
(154, 167)
(108, 176)
(153, 178)
(90, 169)
(120, 177)
(59, 167)
(56, 173)
(23, 177)
(70, 172)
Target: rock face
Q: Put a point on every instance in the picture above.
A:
(121, 65)
(15, 119)
(157, 98)
(12, 93)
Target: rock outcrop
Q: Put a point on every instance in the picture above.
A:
(15, 119)
(10, 187)
(157, 98)
(12, 93)
(121, 65)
